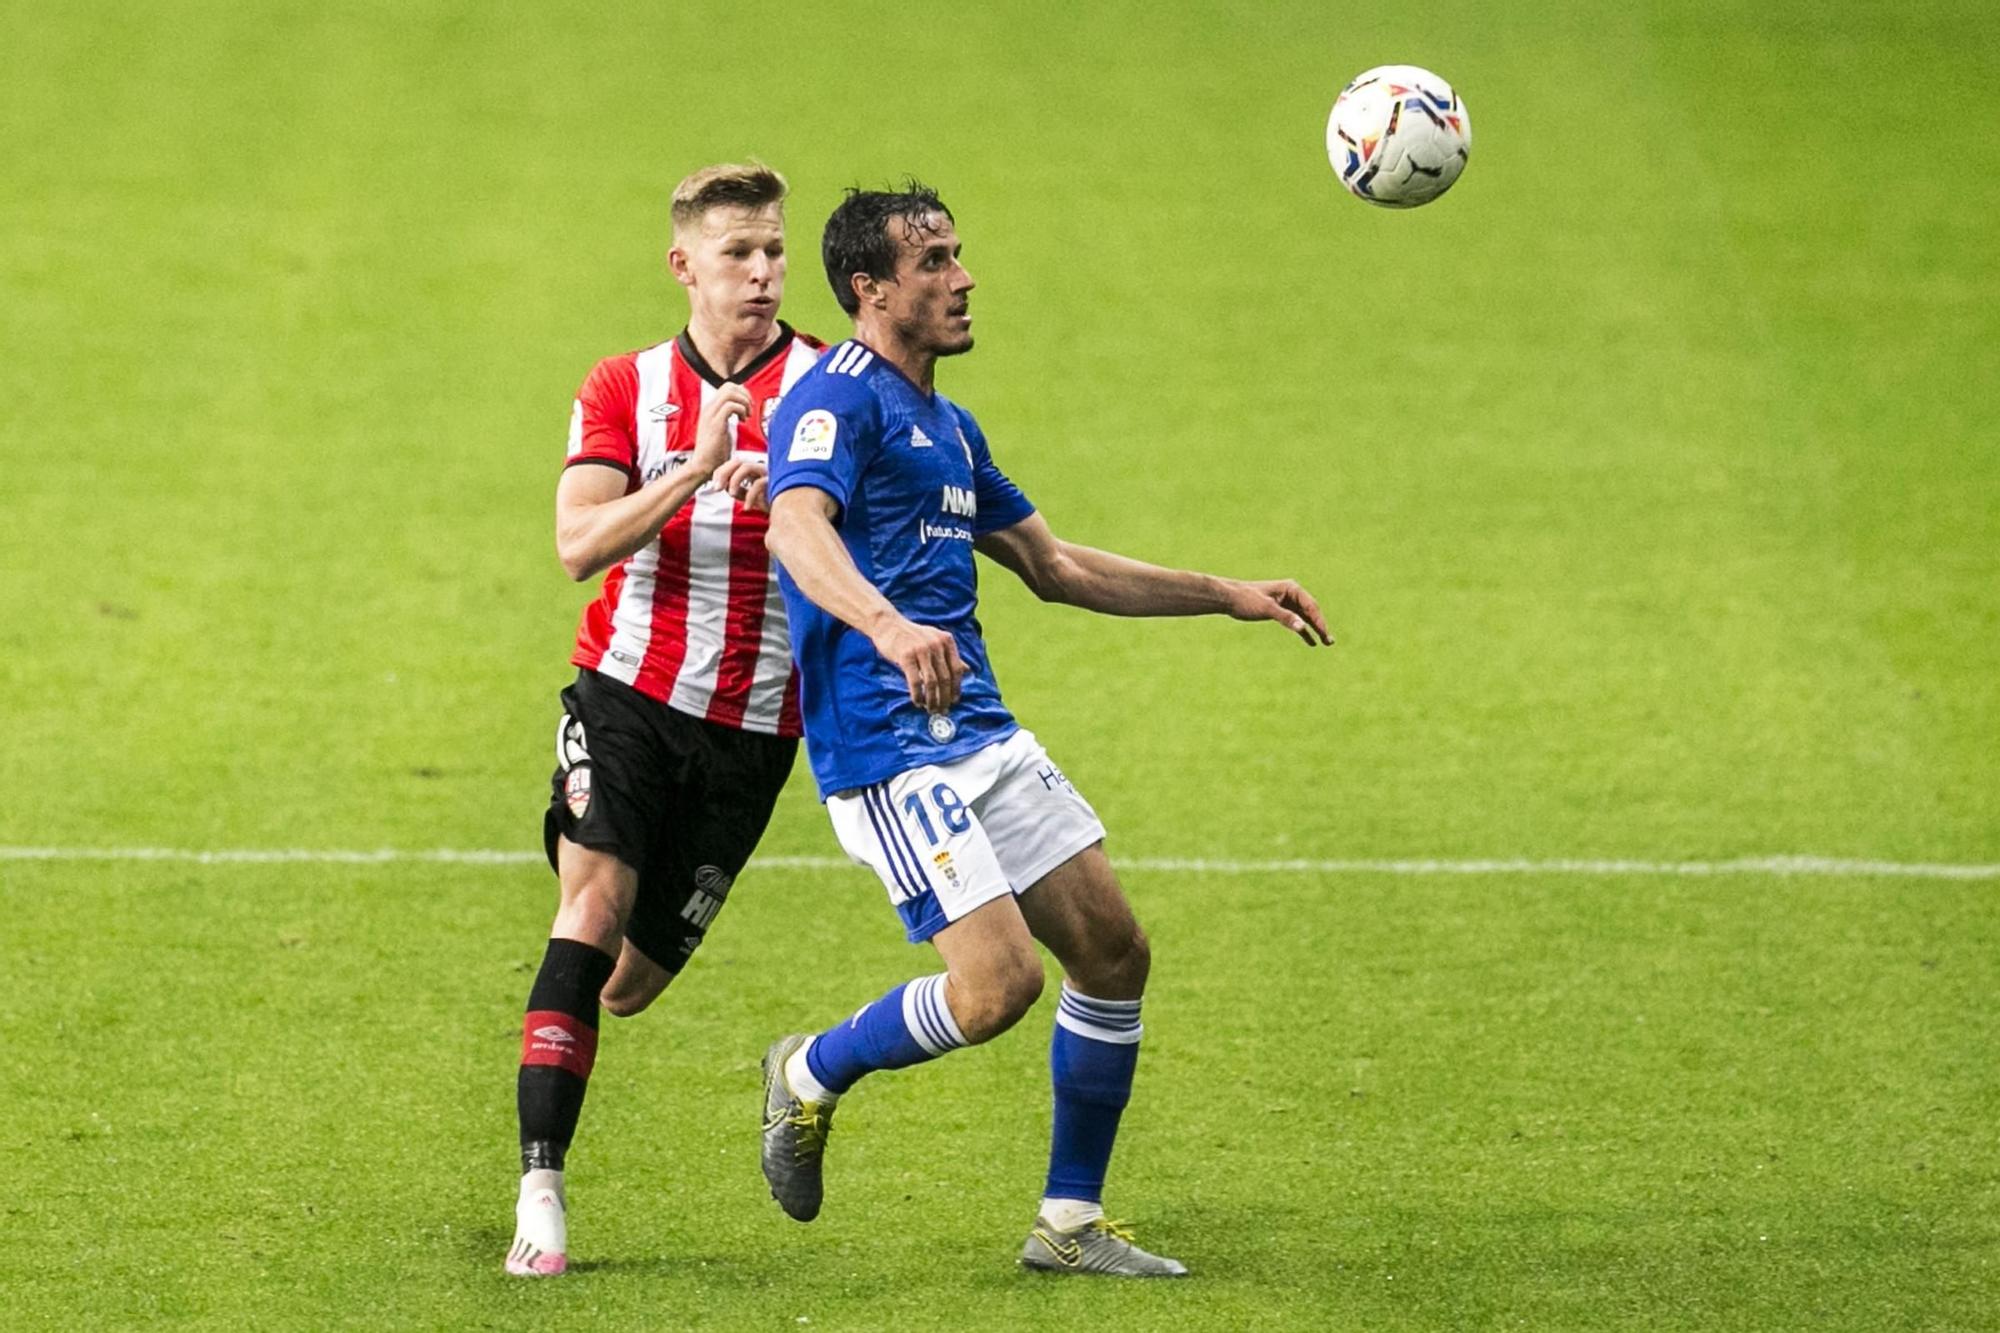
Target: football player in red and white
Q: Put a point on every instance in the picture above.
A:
(683, 721)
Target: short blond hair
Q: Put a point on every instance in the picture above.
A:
(726, 185)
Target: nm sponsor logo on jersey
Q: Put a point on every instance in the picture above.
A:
(957, 502)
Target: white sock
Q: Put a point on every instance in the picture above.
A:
(1069, 1214)
(533, 1181)
(800, 1075)
(538, 1224)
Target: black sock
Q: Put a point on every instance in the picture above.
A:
(558, 1047)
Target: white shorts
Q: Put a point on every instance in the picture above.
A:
(946, 838)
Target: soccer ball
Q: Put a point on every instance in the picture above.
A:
(1398, 136)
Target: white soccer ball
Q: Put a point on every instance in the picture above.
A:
(1398, 136)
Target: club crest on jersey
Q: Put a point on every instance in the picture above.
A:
(942, 728)
(576, 790)
(812, 440)
(943, 862)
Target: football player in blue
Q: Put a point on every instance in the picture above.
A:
(881, 489)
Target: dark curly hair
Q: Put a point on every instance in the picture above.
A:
(857, 238)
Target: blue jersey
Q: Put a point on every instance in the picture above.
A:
(915, 484)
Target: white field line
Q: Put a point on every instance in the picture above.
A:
(1753, 865)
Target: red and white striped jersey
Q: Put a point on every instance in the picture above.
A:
(693, 618)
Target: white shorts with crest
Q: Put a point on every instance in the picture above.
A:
(946, 838)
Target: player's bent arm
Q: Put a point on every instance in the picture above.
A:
(802, 538)
(598, 524)
(1117, 585)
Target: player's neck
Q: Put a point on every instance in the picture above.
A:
(918, 365)
(728, 350)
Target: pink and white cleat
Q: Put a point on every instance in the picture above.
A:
(541, 1234)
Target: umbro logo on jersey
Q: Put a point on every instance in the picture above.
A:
(554, 1034)
(665, 410)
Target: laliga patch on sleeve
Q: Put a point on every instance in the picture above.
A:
(812, 442)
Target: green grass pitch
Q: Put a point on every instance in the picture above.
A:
(1651, 480)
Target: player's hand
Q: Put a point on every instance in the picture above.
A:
(1285, 602)
(744, 478)
(928, 658)
(713, 437)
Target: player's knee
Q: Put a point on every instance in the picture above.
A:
(624, 1006)
(1024, 986)
(594, 907)
(1137, 960)
(595, 920)
(628, 1002)
(634, 986)
(1117, 965)
(996, 996)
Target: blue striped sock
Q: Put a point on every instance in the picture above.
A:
(1091, 1060)
(909, 1025)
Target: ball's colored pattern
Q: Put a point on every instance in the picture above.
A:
(1399, 136)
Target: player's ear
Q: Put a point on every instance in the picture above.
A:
(867, 288)
(679, 266)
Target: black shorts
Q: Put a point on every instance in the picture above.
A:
(681, 800)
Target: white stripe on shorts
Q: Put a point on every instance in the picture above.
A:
(897, 852)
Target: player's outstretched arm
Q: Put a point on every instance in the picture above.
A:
(598, 524)
(803, 539)
(1060, 571)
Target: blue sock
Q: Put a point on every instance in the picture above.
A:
(1095, 1050)
(909, 1025)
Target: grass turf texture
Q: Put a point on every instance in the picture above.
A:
(1587, 1104)
(1648, 479)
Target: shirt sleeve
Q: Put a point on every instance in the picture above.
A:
(601, 425)
(824, 434)
(1001, 502)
